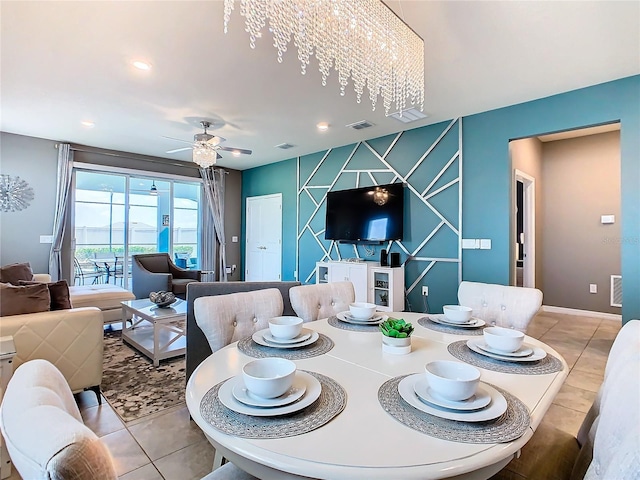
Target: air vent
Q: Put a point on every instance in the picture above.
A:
(285, 146)
(616, 290)
(360, 125)
(408, 115)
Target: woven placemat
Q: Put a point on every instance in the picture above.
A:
(319, 347)
(334, 322)
(426, 322)
(331, 402)
(510, 425)
(548, 364)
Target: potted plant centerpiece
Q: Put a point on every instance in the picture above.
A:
(396, 336)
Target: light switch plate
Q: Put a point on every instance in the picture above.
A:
(485, 244)
(607, 219)
(593, 288)
(234, 239)
(46, 238)
(469, 243)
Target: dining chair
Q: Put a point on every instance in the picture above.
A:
(44, 431)
(322, 300)
(501, 305)
(225, 319)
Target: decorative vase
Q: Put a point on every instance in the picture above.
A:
(396, 346)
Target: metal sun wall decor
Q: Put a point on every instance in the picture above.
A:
(15, 193)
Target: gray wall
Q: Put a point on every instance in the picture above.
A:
(581, 182)
(526, 156)
(33, 160)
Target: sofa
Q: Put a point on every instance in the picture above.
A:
(72, 340)
(197, 345)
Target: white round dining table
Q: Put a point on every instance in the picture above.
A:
(364, 441)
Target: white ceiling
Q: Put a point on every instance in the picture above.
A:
(64, 62)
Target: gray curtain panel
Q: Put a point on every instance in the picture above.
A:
(214, 180)
(63, 190)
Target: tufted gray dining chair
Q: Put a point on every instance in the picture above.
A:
(501, 305)
(322, 300)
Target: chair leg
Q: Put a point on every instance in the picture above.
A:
(96, 389)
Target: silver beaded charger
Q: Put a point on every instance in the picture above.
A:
(548, 364)
(319, 347)
(509, 426)
(334, 322)
(438, 327)
(331, 402)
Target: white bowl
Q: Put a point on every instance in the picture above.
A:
(362, 310)
(452, 380)
(503, 339)
(457, 313)
(269, 377)
(285, 327)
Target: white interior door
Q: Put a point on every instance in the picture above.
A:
(528, 235)
(263, 249)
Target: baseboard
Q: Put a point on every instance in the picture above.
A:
(585, 313)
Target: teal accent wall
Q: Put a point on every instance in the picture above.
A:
(275, 178)
(486, 187)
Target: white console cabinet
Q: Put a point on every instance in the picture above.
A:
(372, 283)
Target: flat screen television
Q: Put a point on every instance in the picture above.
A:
(369, 214)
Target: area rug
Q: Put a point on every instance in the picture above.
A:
(133, 386)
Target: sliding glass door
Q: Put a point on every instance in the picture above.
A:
(118, 215)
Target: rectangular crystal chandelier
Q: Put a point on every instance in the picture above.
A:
(362, 40)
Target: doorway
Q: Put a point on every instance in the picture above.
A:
(525, 226)
(263, 246)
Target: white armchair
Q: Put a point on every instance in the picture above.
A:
(43, 429)
(311, 302)
(504, 306)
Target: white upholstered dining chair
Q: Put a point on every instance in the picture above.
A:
(225, 319)
(322, 300)
(43, 429)
(501, 305)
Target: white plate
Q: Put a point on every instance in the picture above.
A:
(258, 337)
(538, 353)
(524, 351)
(314, 388)
(240, 393)
(304, 335)
(473, 323)
(480, 400)
(347, 318)
(496, 408)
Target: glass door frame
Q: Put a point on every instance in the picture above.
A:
(128, 175)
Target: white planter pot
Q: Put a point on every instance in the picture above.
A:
(396, 346)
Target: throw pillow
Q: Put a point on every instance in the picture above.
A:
(26, 299)
(59, 293)
(15, 272)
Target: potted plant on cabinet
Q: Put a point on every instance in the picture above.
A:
(396, 336)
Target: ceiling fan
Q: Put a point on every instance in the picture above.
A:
(206, 146)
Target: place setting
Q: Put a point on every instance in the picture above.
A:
(271, 398)
(455, 319)
(361, 317)
(504, 350)
(450, 401)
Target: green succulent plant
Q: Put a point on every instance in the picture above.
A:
(396, 327)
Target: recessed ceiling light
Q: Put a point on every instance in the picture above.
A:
(323, 126)
(87, 124)
(235, 153)
(140, 65)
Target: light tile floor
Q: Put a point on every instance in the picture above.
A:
(169, 446)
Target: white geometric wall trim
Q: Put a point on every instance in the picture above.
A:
(312, 193)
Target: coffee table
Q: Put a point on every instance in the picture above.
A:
(159, 333)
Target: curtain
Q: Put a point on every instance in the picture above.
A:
(214, 193)
(63, 190)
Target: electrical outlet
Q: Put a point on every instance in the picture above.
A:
(425, 291)
(593, 288)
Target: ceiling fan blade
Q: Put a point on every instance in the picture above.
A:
(177, 139)
(240, 150)
(176, 150)
(216, 140)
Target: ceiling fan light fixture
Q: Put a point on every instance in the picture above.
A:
(204, 155)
